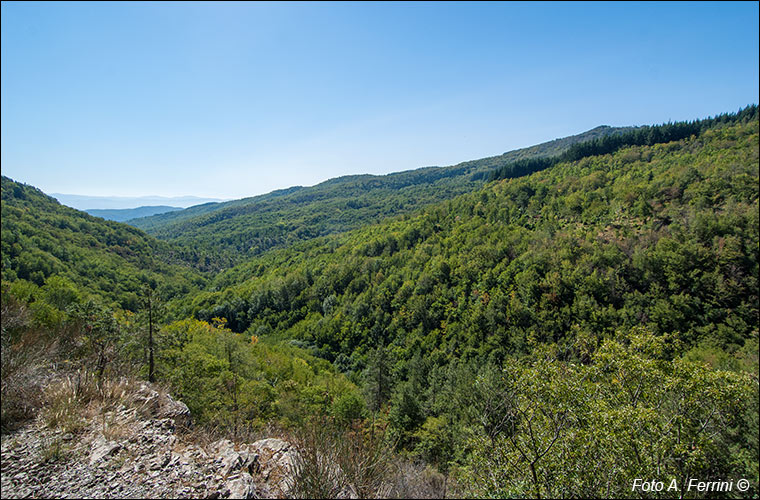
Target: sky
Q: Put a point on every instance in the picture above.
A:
(229, 100)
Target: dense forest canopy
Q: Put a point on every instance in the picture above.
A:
(640, 136)
(662, 235)
(601, 301)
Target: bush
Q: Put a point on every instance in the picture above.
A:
(23, 351)
(348, 407)
(333, 461)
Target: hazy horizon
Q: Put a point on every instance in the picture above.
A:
(86, 202)
(104, 202)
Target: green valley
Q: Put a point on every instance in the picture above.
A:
(501, 321)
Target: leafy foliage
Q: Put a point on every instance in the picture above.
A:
(630, 409)
(238, 383)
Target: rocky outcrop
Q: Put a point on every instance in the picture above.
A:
(274, 465)
(267, 464)
(152, 403)
(136, 452)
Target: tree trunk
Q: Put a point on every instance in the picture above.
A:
(151, 376)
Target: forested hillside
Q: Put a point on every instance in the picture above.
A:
(97, 296)
(618, 270)
(219, 235)
(663, 236)
(546, 335)
(42, 239)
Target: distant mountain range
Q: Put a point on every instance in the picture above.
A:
(125, 214)
(86, 203)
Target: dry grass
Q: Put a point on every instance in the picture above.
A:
(53, 450)
(21, 390)
(420, 481)
(316, 472)
(66, 400)
(112, 428)
(75, 398)
(204, 435)
(201, 436)
(336, 462)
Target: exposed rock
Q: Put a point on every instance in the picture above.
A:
(176, 410)
(242, 486)
(147, 399)
(139, 455)
(275, 460)
(233, 461)
(102, 448)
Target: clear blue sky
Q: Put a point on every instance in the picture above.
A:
(235, 99)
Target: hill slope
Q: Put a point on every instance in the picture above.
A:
(42, 238)
(664, 236)
(584, 306)
(218, 235)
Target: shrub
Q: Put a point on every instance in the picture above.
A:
(23, 351)
(333, 461)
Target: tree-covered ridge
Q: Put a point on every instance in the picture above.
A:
(640, 136)
(219, 235)
(42, 238)
(664, 236)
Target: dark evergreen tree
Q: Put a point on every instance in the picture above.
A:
(377, 379)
